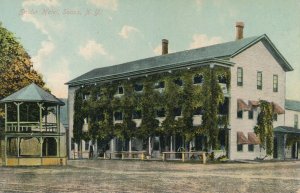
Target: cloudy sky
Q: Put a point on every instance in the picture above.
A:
(67, 38)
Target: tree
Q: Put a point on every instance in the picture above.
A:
(16, 69)
(213, 98)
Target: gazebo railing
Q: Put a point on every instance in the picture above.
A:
(31, 127)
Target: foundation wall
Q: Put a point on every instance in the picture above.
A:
(45, 161)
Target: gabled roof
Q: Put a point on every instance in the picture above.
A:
(32, 93)
(218, 53)
(292, 105)
(286, 130)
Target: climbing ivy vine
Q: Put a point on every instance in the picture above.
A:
(102, 103)
(264, 127)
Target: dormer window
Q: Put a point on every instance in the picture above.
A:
(177, 111)
(178, 82)
(160, 84)
(160, 112)
(118, 116)
(138, 87)
(120, 90)
(198, 79)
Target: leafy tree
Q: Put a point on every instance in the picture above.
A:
(16, 69)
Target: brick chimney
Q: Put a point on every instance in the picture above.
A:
(164, 44)
(239, 30)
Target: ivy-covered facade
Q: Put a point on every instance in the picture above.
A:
(222, 97)
(166, 109)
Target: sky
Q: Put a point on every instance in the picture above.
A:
(67, 38)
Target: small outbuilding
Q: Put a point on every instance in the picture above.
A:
(33, 134)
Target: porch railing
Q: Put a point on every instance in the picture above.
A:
(31, 127)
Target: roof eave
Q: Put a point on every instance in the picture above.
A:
(176, 66)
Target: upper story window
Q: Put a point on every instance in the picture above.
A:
(275, 83)
(160, 112)
(275, 117)
(240, 76)
(296, 121)
(160, 84)
(177, 111)
(120, 90)
(240, 114)
(138, 87)
(250, 114)
(118, 116)
(86, 96)
(259, 80)
(198, 111)
(98, 95)
(198, 79)
(222, 79)
(137, 114)
(178, 82)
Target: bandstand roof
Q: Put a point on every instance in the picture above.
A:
(32, 93)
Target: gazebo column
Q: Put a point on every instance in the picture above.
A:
(57, 146)
(41, 142)
(18, 146)
(5, 151)
(41, 115)
(58, 129)
(5, 119)
(18, 115)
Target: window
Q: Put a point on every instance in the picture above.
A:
(240, 114)
(86, 96)
(98, 95)
(296, 121)
(274, 117)
(160, 112)
(259, 80)
(178, 82)
(240, 147)
(240, 76)
(138, 87)
(198, 111)
(100, 117)
(250, 114)
(250, 147)
(177, 111)
(275, 83)
(160, 84)
(198, 79)
(137, 114)
(222, 79)
(120, 90)
(118, 116)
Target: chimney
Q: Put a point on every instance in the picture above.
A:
(164, 45)
(239, 30)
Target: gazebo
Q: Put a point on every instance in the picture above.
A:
(32, 133)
